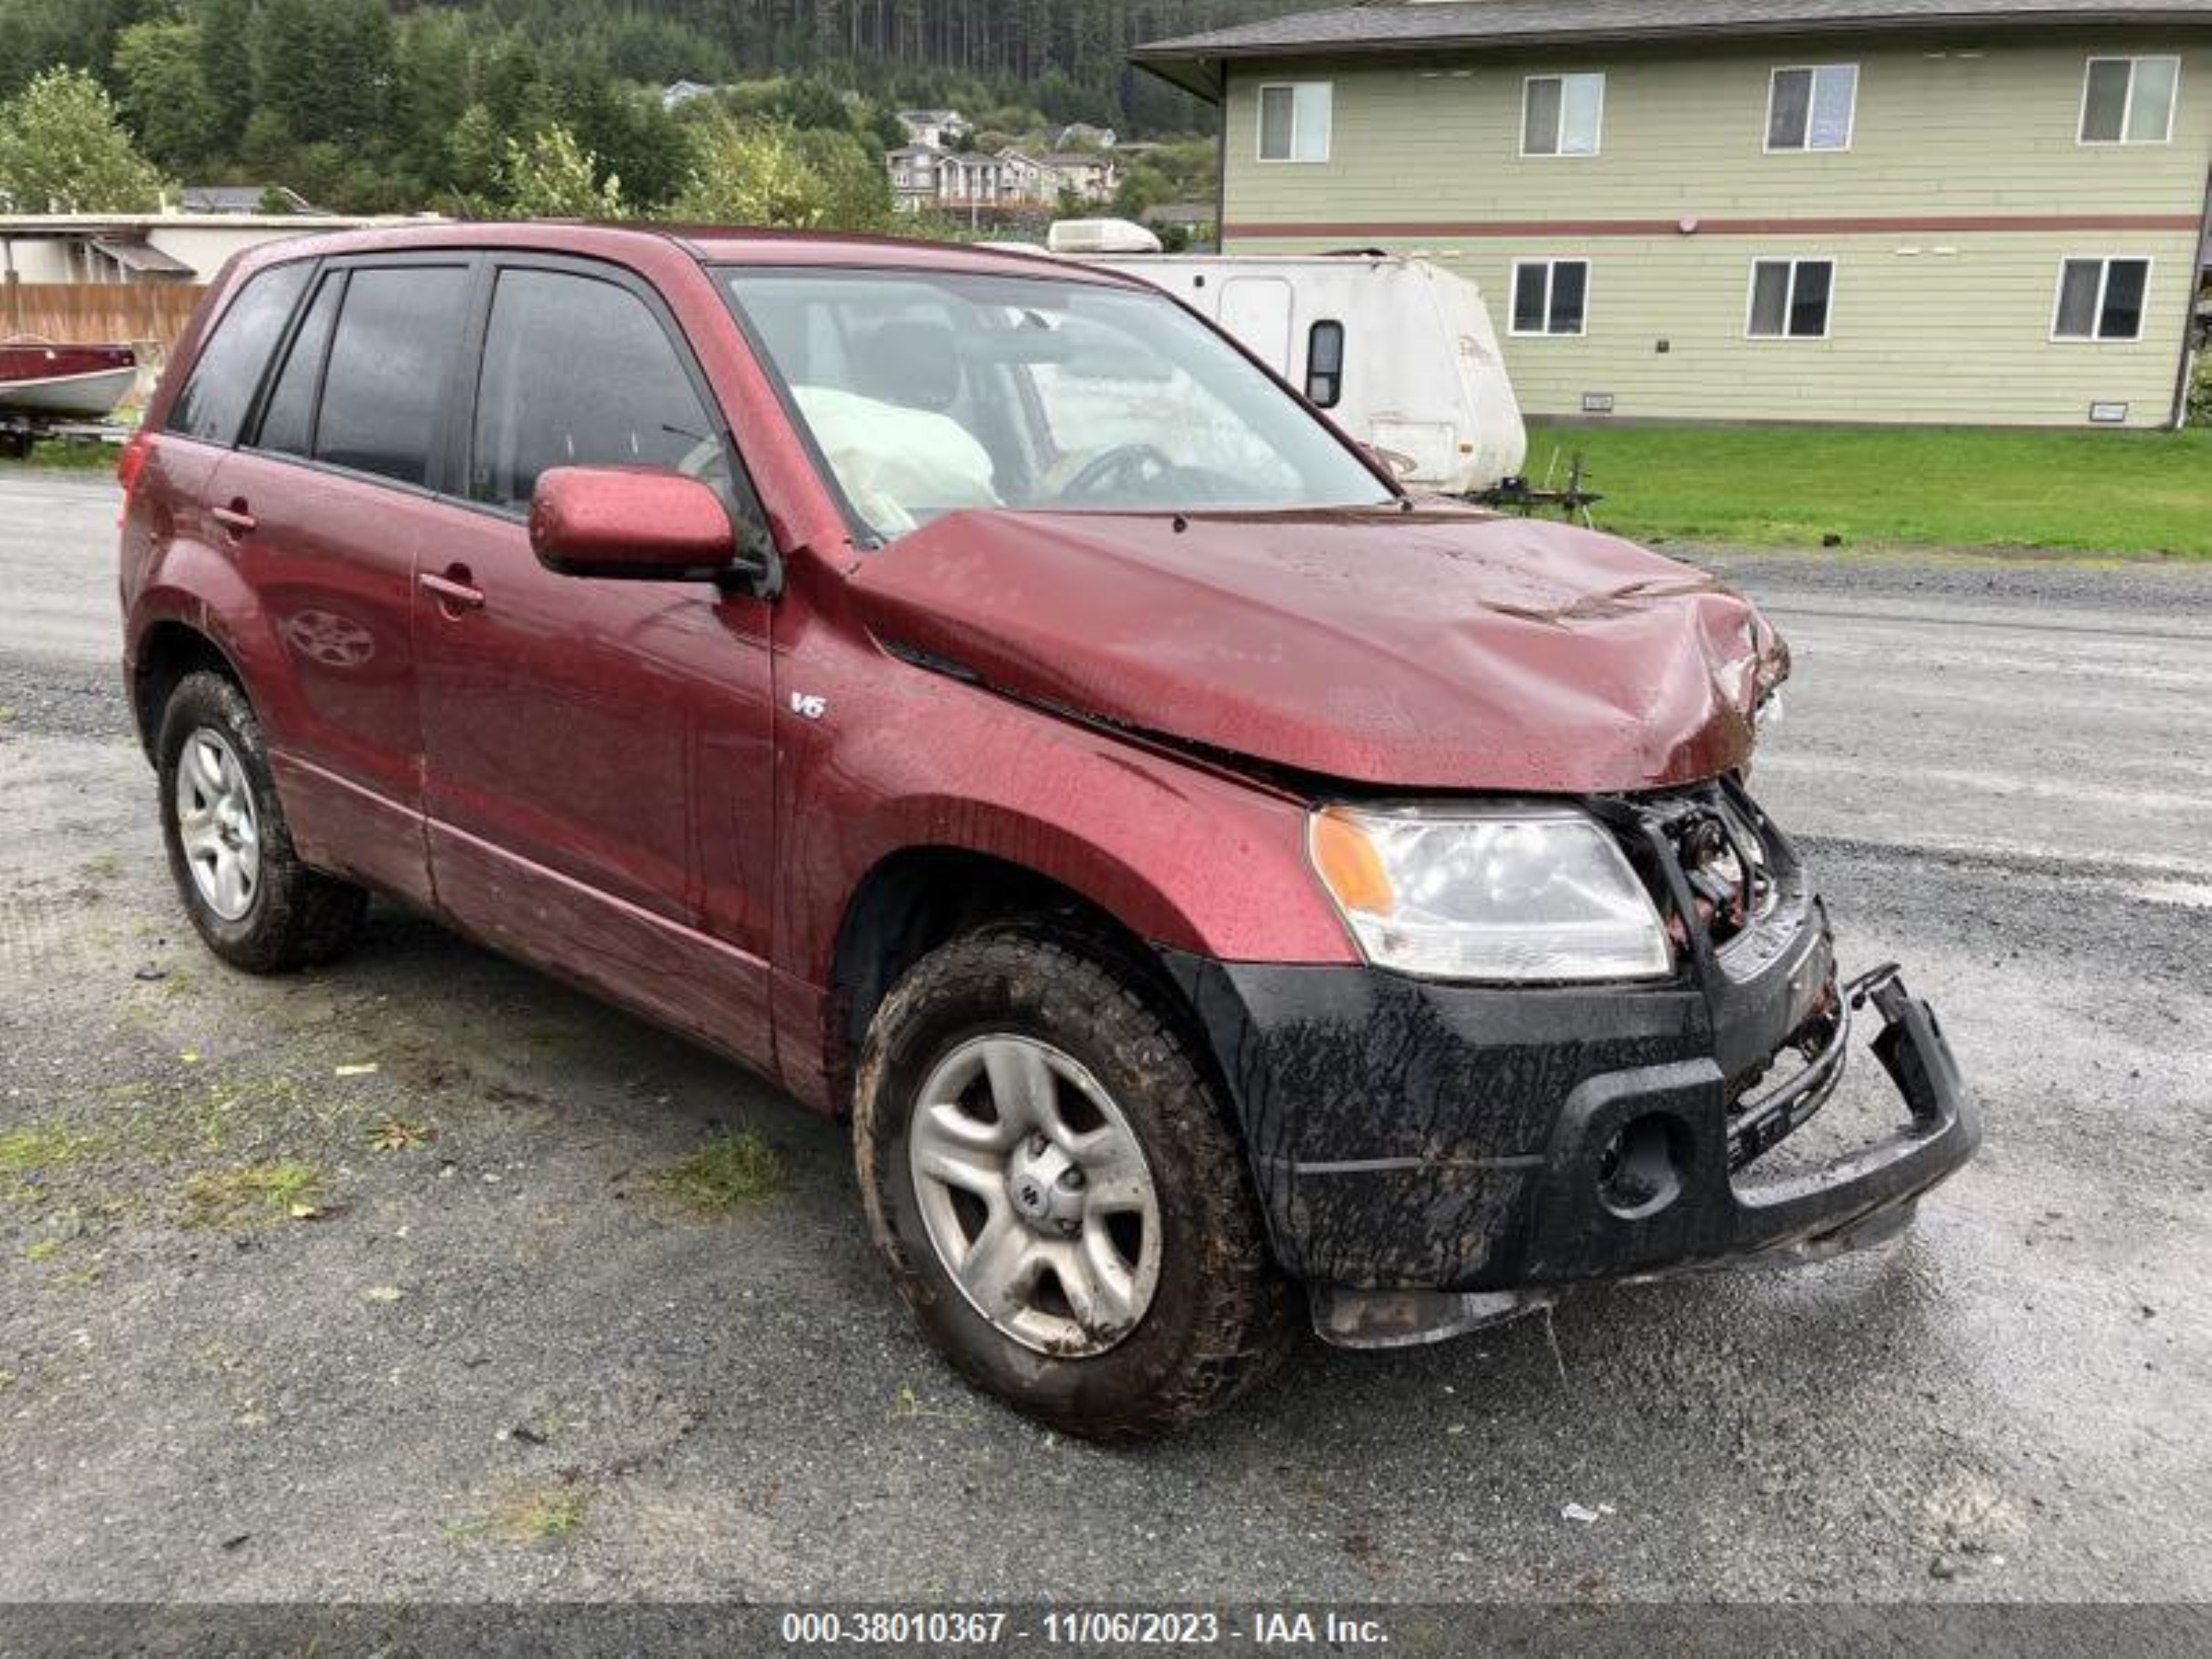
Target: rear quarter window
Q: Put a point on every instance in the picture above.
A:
(287, 419)
(215, 400)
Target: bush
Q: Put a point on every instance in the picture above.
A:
(2200, 388)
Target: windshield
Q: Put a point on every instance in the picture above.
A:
(927, 392)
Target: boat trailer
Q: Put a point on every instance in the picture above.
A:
(19, 432)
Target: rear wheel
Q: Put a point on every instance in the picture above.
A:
(230, 851)
(1051, 1179)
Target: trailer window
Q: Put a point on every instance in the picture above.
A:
(1325, 364)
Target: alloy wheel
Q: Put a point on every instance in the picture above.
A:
(218, 824)
(1035, 1194)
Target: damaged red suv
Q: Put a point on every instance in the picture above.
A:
(968, 689)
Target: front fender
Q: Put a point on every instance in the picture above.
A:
(1180, 854)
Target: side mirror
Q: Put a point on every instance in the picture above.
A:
(616, 522)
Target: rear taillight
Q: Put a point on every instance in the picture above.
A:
(136, 454)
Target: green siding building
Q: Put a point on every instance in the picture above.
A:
(1976, 211)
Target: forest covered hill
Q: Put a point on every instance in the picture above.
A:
(391, 104)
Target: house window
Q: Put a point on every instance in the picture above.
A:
(2130, 100)
(1790, 298)
(1812, 108)
(2100, 299)
(1562, 114)
(1550, 296)
(1294, 120)
(1325, 364)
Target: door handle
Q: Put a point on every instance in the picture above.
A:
(234, 518)
(453, 590)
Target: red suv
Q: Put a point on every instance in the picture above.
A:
(968, 689)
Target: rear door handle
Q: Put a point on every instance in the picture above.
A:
(454, 592)
(234, 518)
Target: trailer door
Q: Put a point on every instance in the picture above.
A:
(1257, 311)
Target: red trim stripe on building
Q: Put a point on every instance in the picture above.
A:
(1921, 225)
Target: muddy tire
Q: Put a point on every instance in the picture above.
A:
(230, 852)
(1056, 1188)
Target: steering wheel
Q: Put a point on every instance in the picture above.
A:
(1136, 464)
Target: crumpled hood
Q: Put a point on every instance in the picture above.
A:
(1441, 648)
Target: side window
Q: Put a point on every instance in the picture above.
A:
(215, 400)
(2130, 100)
(578, 372)
(287, 422)
(385, 387)
(1562, 114)
(1812, 108)
(1790, 298)
(1550, 296)
(2102, 298)
(1294, 121)
(1325, 363)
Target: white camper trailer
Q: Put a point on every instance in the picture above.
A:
(1400, 352)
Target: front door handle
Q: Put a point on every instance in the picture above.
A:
(455, 590)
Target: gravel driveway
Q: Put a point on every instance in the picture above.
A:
(371, 1282)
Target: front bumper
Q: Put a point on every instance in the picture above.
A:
(1430, 1156)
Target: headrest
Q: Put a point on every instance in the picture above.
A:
(916, 364)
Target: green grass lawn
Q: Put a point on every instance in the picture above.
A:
(71, 455)
(2119, 494)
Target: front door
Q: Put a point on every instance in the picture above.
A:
(598, 779)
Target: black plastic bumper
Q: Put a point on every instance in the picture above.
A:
(1409, 1135)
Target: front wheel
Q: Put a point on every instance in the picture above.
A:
(1051, 1179)
(230, 851)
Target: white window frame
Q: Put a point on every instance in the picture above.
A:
(1597, 138)
(1789, 297)
(1851, 125)
(2081, 138)
(2105, 262)
(1513, 328)
(1260, 125)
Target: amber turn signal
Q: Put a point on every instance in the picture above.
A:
(1350, 866)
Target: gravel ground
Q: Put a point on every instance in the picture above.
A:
(492, 1357)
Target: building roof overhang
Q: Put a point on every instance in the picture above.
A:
(1197, 62)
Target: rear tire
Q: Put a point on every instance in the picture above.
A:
(1154, 1310)
(252, 901)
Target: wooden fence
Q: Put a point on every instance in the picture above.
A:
(149, 315)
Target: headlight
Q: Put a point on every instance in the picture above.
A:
(1514, 893)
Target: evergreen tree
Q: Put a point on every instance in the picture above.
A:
(164, 94)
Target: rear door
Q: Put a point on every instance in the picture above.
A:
(325, 501)
(599, 782)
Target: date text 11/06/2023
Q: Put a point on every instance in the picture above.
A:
(1079, 1627)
